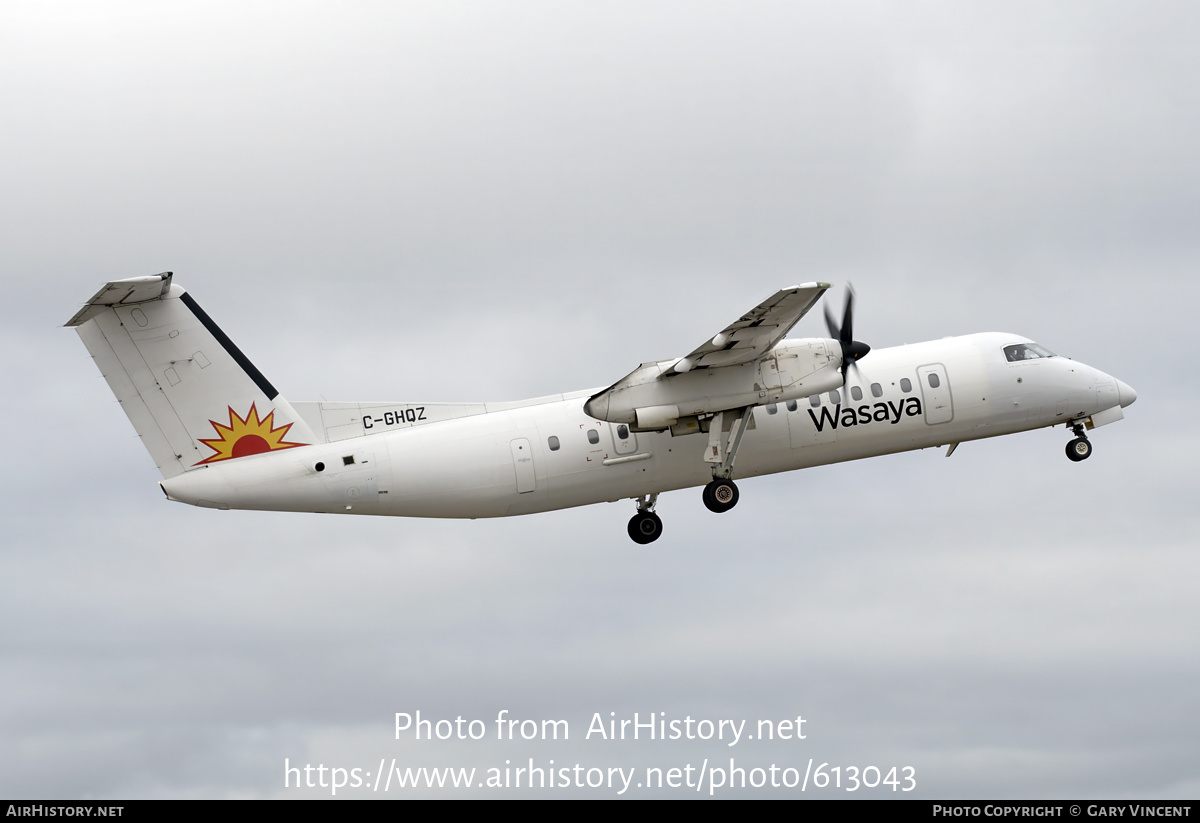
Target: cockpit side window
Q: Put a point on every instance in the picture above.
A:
(1026, 351)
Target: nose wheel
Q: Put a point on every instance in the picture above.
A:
(1080, 448)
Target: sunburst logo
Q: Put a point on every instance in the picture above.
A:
(247, 436)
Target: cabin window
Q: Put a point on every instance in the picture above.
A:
(835, 397)
(772, 408)
(553, 443)
(905, 385)
(593, 436)
(933, 381)
(623, 431)
(791, 405)
(856, 392)
(814, 401)
(876, 390)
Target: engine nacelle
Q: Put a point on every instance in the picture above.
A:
(656, 395)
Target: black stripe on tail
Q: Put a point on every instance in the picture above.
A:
(259, 380)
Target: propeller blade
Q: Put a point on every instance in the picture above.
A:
(852, 350)
(848, 318)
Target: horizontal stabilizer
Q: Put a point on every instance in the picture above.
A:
(123, 293)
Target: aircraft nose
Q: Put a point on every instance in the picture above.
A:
(1125, 393)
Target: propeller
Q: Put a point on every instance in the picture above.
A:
(852, 350)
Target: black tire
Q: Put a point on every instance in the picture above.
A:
(721, 495)
(645, 527)
(1079, 449)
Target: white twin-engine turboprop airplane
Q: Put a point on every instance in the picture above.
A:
(224, 438)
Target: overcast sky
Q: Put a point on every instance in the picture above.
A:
(489, 201)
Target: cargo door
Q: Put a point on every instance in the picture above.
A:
(522, 456)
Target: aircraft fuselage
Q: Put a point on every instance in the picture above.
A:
(550, 454)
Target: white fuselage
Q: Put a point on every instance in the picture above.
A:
(502, 463)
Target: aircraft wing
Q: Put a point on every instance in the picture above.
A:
(756, 332)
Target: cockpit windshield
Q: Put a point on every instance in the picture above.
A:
(1026, 351)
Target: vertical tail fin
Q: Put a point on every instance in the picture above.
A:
(191, 394)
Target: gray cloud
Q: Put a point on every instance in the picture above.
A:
(484, 201)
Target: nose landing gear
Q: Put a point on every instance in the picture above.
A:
(1080, 448)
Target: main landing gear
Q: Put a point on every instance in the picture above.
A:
(1080, 448)
(645, 526)
(721, 494)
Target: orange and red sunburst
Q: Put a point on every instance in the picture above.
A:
(244, 437)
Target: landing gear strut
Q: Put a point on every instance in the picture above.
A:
(1080, 448)
(721, 494)
(645, 526)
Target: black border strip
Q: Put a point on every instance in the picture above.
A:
(259, 380)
